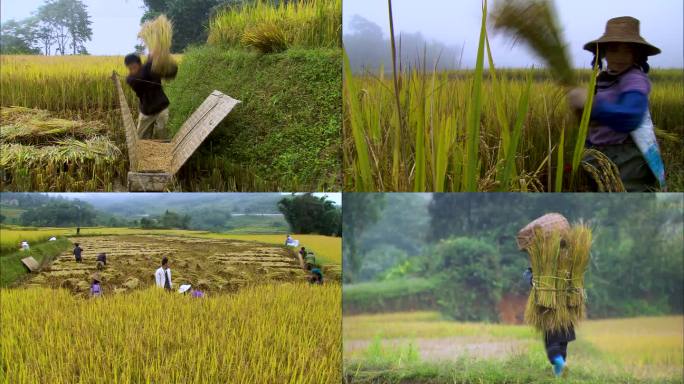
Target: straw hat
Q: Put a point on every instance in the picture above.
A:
(548, 223)
(623, 29)
(95, 276)
(184, 288)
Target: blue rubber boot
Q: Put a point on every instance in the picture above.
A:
(558, 365)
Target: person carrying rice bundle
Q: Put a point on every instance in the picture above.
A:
(146, 79)
(559, 255)
(621, 126)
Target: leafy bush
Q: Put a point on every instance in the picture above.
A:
(467, 271)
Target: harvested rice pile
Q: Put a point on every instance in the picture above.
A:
(39, 152)
(559, 256)
(155, 156)
(36, 126)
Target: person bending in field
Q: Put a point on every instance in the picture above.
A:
(162, 275)
(620, 106)
(77, 252)
(555, 342)
(154, 111)
(101, 260)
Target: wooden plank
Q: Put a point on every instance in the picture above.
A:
(31, 264)
(129, 124)
(200, 124)
(149, 182)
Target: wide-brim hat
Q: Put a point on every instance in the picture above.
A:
(96, 276)
(623, 29)
(551, 222)
(184, 288)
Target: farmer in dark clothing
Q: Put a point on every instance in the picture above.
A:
(154, 112)
(77, 252)
(101, 260)
(555, 342)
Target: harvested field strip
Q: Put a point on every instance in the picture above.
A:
(212, 265)
(265, 334)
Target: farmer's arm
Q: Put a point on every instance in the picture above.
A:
(623, 116)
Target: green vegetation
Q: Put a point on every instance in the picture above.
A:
(11, 268)
(284, 135)
(466, 244)
(310, 214)
(391, 295)
(396, 349)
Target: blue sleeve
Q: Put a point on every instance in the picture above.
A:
(527, 276)
(623, 116)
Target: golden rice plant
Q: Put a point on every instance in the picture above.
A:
(299, 23)
(157, 35)
(265, 38)
(68, 85)
(11, 238)
(263, 334)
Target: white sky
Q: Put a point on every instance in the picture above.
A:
(457, 21)
(115, 22)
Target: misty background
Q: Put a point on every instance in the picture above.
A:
(457, 253)
(449, 31)
(216, 212)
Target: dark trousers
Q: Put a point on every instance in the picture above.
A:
(555, 348)
(556, 343)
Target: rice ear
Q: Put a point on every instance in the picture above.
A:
(535, 23)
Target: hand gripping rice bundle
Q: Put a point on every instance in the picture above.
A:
(157, 35)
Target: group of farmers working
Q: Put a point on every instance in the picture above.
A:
(307, 260)
(162, 276)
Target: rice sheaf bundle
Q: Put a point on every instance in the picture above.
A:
(559, 260)
(535, 23)
(157, 35)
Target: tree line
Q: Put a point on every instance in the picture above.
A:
(58, 27)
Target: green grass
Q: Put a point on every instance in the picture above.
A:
(11, 267)
(389, 295)
(285, 134)
(631, 350)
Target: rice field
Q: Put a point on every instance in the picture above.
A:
(268, 28)
(483, 129)
(213, 265)
(428, 348)
(11, 238)
(267, 333)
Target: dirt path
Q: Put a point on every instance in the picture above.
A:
(450, 348)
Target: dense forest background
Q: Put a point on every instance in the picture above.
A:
(457, 252)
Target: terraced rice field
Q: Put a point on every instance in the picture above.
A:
(212, 265)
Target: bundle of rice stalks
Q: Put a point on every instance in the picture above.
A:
(559, 260)
(266, 37)
(34, 126)
(535, 23)
(604, 173)
(157, 35)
